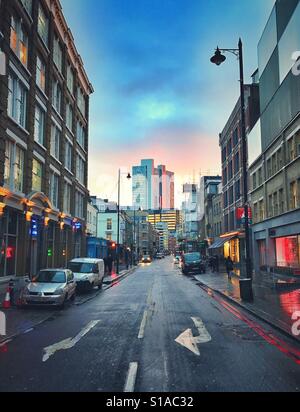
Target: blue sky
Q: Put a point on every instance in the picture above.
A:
(156, 93)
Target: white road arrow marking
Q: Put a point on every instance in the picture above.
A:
(68, 343)
(191, 342)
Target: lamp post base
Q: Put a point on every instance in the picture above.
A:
(246, 291)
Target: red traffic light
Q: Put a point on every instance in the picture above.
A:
(113, 245)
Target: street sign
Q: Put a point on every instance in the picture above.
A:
(240, 215)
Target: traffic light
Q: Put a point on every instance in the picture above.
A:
(113, 245)
(49, 252)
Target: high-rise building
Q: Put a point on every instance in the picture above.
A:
(152, 188)
(190, 212)
(44, 124)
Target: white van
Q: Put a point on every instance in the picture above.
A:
(88, 272)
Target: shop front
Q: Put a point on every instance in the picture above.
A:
(228, 245)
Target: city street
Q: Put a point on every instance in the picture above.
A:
(154, 331)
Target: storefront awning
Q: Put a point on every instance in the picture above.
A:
(221, 241)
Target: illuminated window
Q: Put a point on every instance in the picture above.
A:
(19, 40)
(28, 6)
(293, 195)
(17, 100)
(8, 162)
(55, 141)
(109, 224)
(40, 73)
(39, 125)
(287, 251)
(43, 25)
(54, 179)
(57, 54)
(19, 169)
(37, 170)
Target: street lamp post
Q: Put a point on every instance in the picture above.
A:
(218, 59)
(118, 225)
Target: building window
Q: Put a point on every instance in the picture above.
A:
(269, 168)
(57, 54)
(69, 117)
(68, 156)
(292, 153)
(28, 6)
(79, 200)
(13, 166)
(254, 181)
(43, 25)
(275, 203)
(279, 159)
(229, 147)
(80, 166)
(293, 195)
(237, 190)
(54, 189)
(255, 212)
(270, 205)
(37, 170)
(81, 101)
(281, 201)
(17, 100)
(67, 198)
(223, 154)
(235, 137)
(231, 200)
(56, 96)
(109, 224)
(39, 125)
(230, 171)
(261, 210)
(40, 73)
(70, 79)
(237, 163)
(55, 141)
(80, 134)
(19, 40)
(288, 251)
(260, 181)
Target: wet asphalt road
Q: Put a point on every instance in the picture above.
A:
(135, 326)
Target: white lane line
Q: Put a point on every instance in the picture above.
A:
(131, 377)
(68, 343)
(143, 325)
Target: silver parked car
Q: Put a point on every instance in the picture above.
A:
(50, 287)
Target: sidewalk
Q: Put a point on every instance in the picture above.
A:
(270, 304)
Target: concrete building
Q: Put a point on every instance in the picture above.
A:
(190, 215)
(91, 220)
(274, 148)
(44, 126)
(152, 188)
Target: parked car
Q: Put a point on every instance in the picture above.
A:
(146, 259)
(193, 263)
(88, 272)
(159, 256)
(50, 287)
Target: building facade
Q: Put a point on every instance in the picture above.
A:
(44, 125)
(91, 220)
(190, 212)
(274, 147)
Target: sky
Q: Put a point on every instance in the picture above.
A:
(156, 93)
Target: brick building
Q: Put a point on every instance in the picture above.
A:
(44, 118)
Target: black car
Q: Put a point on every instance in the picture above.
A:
(192, 263)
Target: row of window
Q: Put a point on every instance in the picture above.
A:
(19, 44)
(17, 109)
(217, 229)
(232, 169)
(233, 194)
(277, 204)
(276, 162)
(14, 174)
(231, 144)
(229, 222)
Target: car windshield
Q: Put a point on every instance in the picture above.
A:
(81, 267)
(47, 276)
(191, 257)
